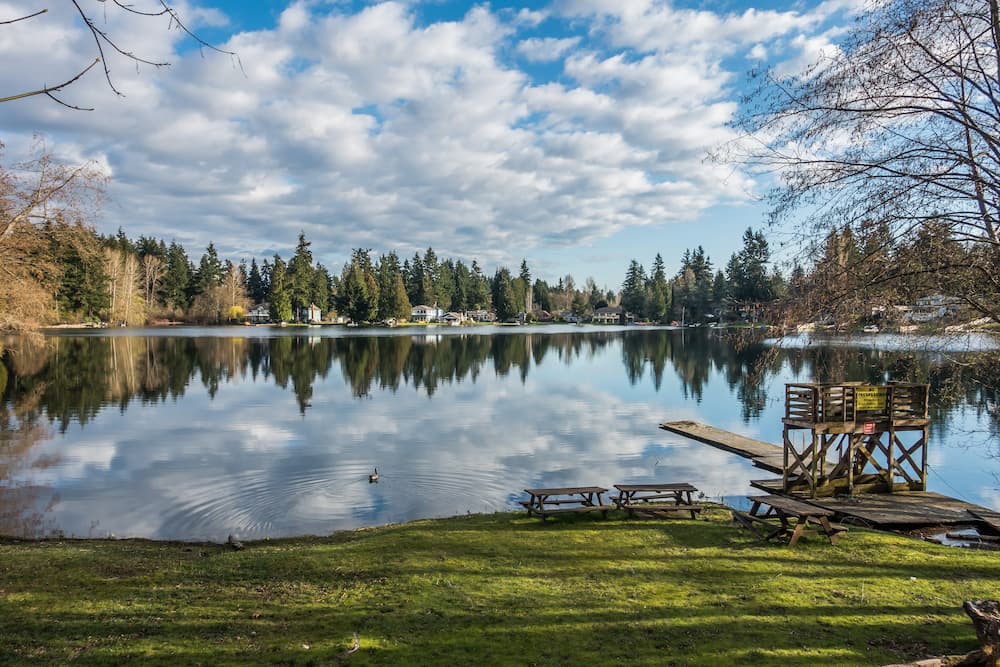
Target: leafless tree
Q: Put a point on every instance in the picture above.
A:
(38, 198)
(153, 270)
(105, 43)
(898, 131)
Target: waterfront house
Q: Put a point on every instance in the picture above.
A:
(481, 316)
(260, 314)
(608, 315)
(312, 314)
(425, 313)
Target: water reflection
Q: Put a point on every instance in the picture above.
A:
(273, 434)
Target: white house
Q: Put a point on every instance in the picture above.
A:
(259, 314)
(453, 319)
(608, 315)
(312, 314)
(425, 314)
(481, 316)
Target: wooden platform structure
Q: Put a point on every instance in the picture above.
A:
(902, 510)
(856, 450)
(876, 435)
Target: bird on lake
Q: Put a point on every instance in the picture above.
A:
(372, 478)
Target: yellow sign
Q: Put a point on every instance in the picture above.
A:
(869, 398)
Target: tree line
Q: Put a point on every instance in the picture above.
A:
(700, 293)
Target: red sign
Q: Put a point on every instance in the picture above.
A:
(869, 428)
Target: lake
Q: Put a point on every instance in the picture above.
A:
(198, 433)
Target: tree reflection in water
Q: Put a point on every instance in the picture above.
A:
(47, 384)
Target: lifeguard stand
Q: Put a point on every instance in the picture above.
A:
(852, 438)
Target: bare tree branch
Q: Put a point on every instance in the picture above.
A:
(51, 89)
(24, 18)
(103, 39)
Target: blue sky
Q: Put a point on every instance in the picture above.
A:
(573, 133)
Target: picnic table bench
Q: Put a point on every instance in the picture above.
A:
(566, 500)
(795, 519)
(656, 500)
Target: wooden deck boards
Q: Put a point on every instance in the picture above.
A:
(763, 454)
(902, 509)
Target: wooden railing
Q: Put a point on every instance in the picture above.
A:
(854, 401)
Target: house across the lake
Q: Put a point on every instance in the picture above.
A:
(426, 314)
(608, 315)
(260, 314)
(481, 316)
(312, 314)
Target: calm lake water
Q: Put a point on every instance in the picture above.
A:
(195, 434)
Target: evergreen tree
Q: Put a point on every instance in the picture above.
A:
(429, 286)
(177, 278)
(634, 290)
(83, 280)
(503, 295)
(300, 275)
(210, 271)
(751, 284)
(319, 294)
(479, 294)
(279, 297)
(444, 284)
(416, 282)
(658, 292)
(522, 291)
(399, 305)
(265, 279)
(541, 295)
(388, 272)
(359, 286)
(255, 283)
(462, 287)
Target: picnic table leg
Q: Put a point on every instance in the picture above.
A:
(834, 535)
(689, 502)
(800, 527)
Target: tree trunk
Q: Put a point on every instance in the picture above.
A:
(985, 616)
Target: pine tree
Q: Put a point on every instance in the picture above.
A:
(210, 271)
(281, 301)
(503, 295)
(300, 275)
(177, 279)
(255, 283)
(634, 290)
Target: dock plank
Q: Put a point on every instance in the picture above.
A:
(901, 509)
(763, 454)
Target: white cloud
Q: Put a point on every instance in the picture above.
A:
(373, 129)
(546, 49)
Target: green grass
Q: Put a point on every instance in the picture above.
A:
(497, 589)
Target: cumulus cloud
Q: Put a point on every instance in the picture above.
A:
(546, 49)
(373, 128)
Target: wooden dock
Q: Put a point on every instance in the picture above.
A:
(763, 454)
(901, 510)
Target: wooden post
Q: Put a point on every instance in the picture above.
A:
(784, 466)
(813, 463)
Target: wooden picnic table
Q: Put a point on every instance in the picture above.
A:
(565, 500)
(656, 500)
(795, 519)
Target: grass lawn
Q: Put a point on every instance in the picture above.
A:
(497, 589)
